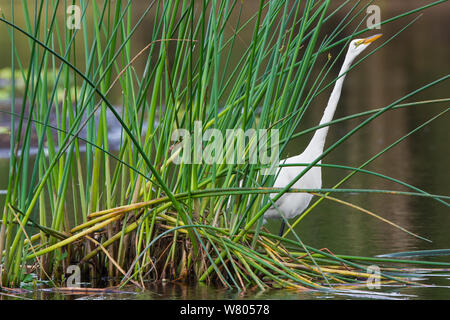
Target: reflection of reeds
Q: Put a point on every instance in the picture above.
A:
(132, 213)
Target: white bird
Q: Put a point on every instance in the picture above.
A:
(291, 205)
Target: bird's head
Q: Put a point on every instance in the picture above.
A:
(359, 45)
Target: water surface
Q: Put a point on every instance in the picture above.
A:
(418, 56)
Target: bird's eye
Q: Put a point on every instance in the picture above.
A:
(358, 43)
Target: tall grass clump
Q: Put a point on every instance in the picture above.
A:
(127, 210)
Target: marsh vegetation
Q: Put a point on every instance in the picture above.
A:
(120, 208)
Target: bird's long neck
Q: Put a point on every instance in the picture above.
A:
(317, 143)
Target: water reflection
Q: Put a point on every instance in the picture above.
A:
(416, 57)
(433, 286)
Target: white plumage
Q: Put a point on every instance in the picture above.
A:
(293, 204)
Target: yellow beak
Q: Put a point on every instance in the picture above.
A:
(372, 38)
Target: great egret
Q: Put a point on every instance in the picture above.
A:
(293, 204)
